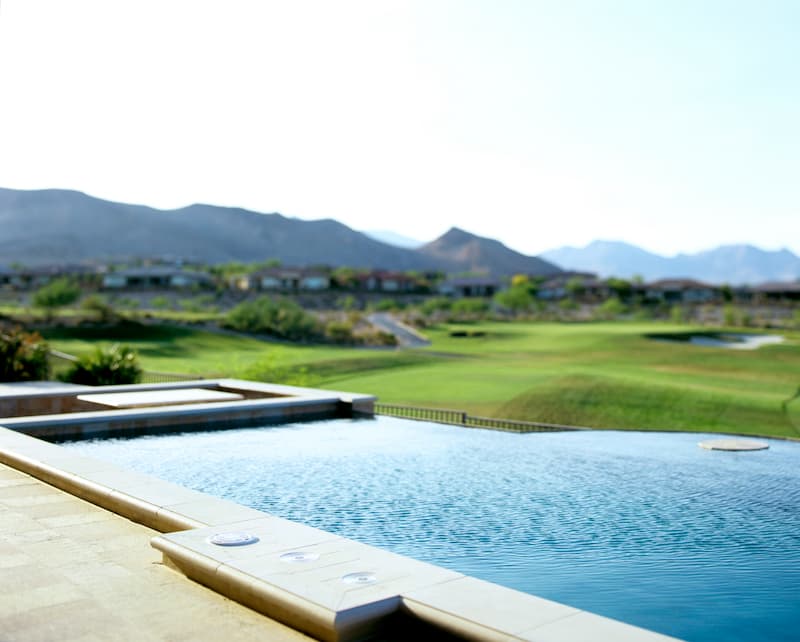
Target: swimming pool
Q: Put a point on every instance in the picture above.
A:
(642, 527)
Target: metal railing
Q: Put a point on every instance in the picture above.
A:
(460, 418)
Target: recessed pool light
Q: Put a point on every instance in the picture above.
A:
(359, 578)
(298, 557)
(232, 539)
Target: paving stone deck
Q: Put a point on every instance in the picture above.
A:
(74, 572)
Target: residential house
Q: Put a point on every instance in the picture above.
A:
(147, 278)
(384, 281)
(279, 279)
(584, 285)
(681, 291)
(777, 291)
(476, 286)
(29, 278)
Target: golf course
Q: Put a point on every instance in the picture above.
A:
(614, 375)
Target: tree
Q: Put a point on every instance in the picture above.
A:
(575, 287)
(516, 298)
(621, 288)
(56, 294)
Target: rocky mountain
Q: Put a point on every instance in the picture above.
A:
(733, 264)
(479, 254)
(62, 226)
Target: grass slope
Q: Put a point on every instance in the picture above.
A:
(605, 375)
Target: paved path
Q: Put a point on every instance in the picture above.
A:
(73, 572)
(406, 337)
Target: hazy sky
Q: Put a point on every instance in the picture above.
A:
(672, 124)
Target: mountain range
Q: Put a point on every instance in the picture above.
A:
(732, 264)
(63, 226)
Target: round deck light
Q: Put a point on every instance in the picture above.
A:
(359, 578)
(232, 539)
(299, 557)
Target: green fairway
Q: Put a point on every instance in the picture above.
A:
(605, 375)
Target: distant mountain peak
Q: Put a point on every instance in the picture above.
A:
(486, 255)
(45, 226)
(734, 264)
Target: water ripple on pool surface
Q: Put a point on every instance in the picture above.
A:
(643, 527)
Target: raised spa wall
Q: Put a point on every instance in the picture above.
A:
(326, 586)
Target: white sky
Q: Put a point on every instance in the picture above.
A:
(669, 124)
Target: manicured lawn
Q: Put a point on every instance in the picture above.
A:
(605, 375)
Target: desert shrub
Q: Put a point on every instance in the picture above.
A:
(279, 317)
(469, 307)
(203, 303)
(128, 303)
(516, 298)
(387, 305)
(611, 308)
(105, 367)
(339, 332)
(99, 307)
(677, 314)
(56, 294)
(23, 356)
(347, 303)
(435, 305)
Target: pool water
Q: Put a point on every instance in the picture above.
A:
(642, 527)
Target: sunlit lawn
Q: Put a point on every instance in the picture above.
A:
(607, 375)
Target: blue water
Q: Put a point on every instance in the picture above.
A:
(642, 527)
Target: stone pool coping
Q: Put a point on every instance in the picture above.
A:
(310, 596)
(75, 418)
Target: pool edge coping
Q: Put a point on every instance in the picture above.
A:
(461, 604)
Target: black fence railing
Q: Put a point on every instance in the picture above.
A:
(460, 418)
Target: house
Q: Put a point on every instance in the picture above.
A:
(482, 286)
(384, 281)
(286, 280)
(584, 285)
(147, 278)
(30, 278)
(681, 291)
(777, 291)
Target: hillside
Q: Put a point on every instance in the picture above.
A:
(734, 264)
(478, 254)
(62, 226)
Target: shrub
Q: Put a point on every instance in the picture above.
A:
(23, 356)
(105, 367)
(56, 294)
(470, 307)
(281, 318)
(517, 298)
(678, 314)
(99, 307)
(611, 308)
(435, 304)
(347, 303)
(387, 305)
(339, 332)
